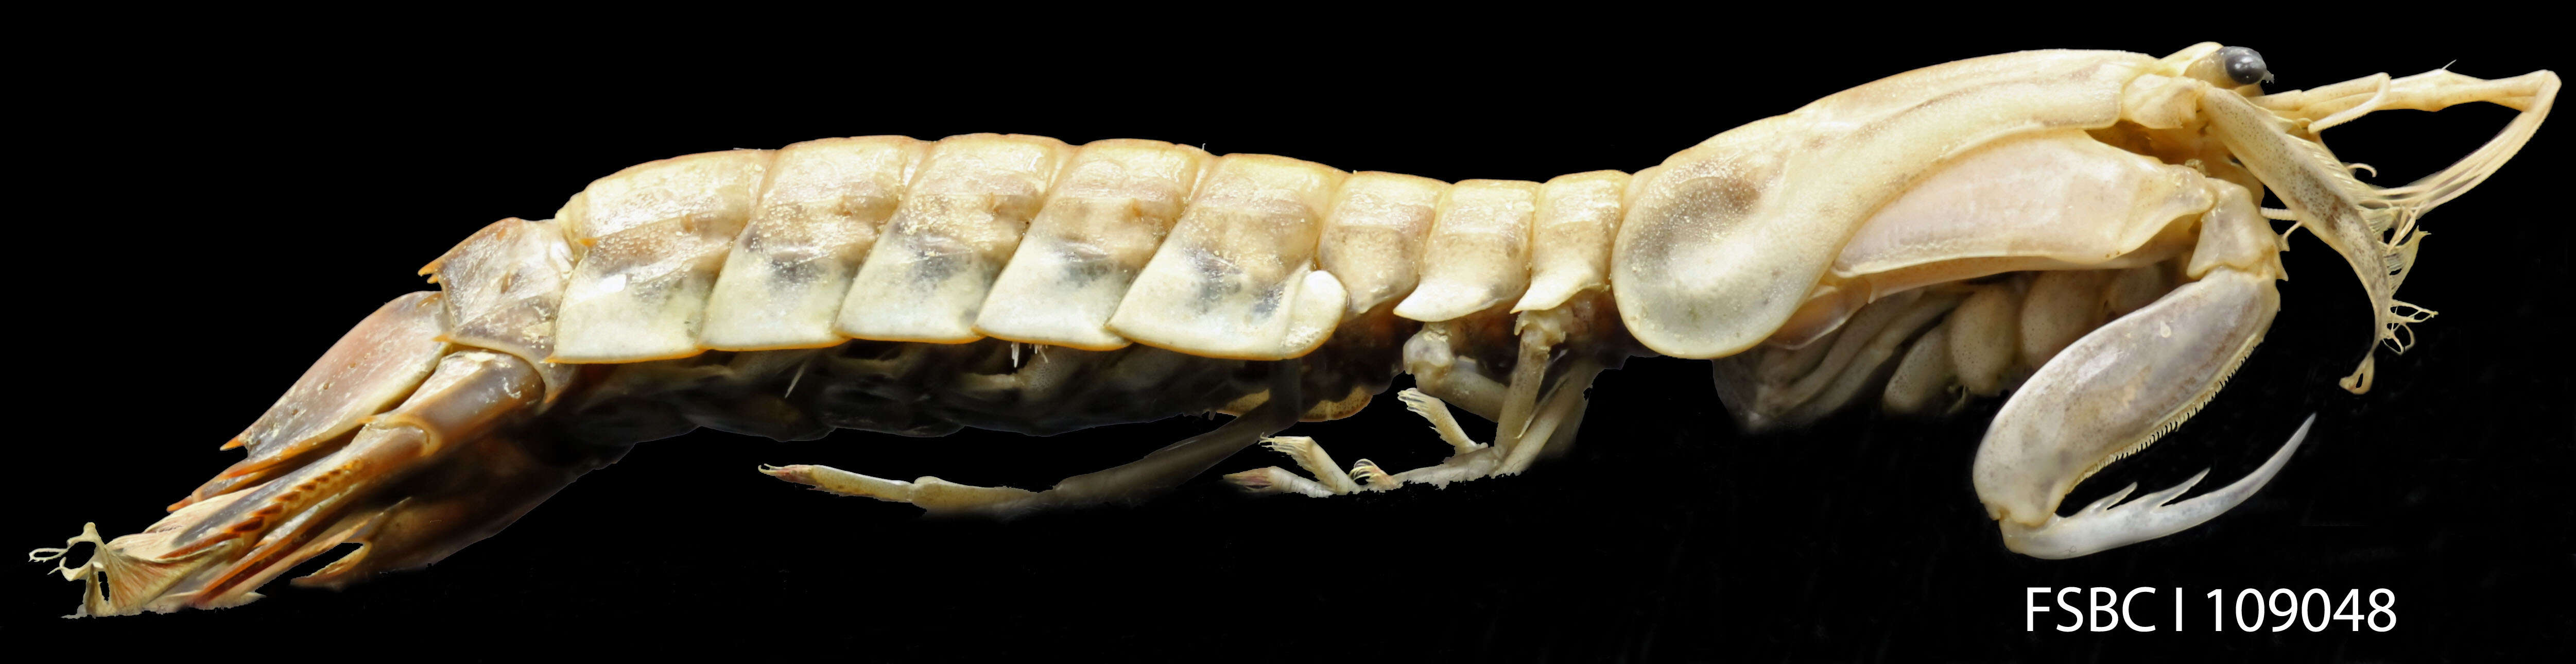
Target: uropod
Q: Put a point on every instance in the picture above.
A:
(2080, 230)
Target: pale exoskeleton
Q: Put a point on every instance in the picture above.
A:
(1645, 277)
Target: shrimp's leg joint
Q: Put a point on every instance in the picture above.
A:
(1140, 479)
(1537, 413)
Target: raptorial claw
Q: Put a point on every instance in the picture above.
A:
(2101, 526)
(2112, 393)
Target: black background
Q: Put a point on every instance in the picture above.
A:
(218, 205)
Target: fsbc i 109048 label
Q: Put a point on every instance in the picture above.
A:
(2102, 609)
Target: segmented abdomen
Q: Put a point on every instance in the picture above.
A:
(1021, 238)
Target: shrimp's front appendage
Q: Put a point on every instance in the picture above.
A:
(2078, 228)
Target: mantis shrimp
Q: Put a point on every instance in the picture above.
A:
(2080, 229)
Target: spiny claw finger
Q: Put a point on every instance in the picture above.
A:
(2116, 497)
(2102, 525)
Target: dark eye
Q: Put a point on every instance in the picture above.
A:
(2243, 65)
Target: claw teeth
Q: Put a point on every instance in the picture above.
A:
(2150, 501)
(2114, 499)
(2161, 497)
(2101, 526)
